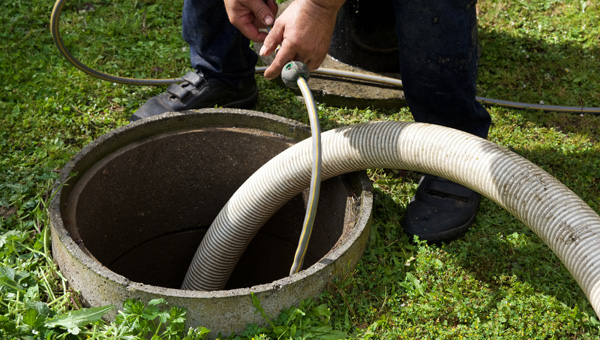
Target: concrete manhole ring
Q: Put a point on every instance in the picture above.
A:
(132, 206)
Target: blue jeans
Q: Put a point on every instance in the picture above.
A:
(438, 56)
(438, 46)
(217, 48)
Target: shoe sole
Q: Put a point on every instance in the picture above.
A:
(447, 236)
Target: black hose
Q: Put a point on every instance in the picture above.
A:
(54, 27)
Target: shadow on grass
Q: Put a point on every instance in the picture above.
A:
(524, 67)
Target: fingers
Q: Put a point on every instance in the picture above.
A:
(262, 12)
(304, 33)
(272, 40)
(273, 7)
(288, 51)
(251, 32)
(284, 56)
(251, 15)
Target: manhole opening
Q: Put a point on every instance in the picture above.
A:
(142, 211)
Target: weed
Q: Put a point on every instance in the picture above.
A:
(307, 321)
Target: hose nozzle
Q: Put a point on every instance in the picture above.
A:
(292, 71)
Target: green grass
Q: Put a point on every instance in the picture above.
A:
(499, 281)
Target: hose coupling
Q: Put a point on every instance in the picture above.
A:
(292, 71)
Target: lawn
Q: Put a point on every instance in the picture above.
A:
(498, 281)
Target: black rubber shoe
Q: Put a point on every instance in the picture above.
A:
(441, 210)
(197, 92)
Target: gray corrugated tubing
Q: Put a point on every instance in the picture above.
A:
(561, 219)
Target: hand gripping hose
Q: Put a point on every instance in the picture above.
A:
(561, 219)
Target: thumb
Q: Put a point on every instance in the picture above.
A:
(262, 12)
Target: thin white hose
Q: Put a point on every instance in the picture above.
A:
(561, 219)
(484, 100)
(315, 181)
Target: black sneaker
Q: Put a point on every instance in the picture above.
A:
(441, 210)
(197, 92)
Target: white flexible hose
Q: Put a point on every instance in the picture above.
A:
(315, 180)
(561, 219)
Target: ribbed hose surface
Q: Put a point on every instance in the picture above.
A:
(561, 219)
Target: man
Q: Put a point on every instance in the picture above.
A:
(438, 63)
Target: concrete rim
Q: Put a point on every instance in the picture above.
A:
(138, 130)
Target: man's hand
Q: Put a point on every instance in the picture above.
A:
(251, 15)
(304, 32)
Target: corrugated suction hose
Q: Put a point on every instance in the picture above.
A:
(559, 217)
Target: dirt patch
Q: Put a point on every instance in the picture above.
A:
(6, 213)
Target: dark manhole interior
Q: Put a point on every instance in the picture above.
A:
(142, 210)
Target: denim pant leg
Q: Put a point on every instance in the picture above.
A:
(438, 62)
(217, 48)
